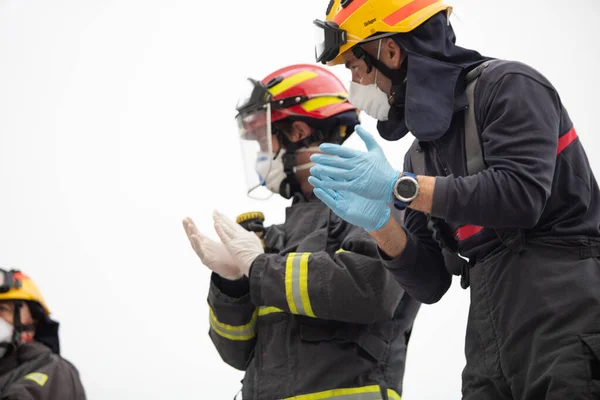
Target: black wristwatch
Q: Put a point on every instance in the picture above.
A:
(406, 190)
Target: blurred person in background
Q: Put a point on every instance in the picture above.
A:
(31, 367)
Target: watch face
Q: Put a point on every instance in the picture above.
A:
(406, 188)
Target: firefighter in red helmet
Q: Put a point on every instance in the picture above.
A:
(305, 308)
(289, 112)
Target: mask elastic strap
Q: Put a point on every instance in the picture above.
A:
(302, 167)
(394, 75)
(378, 54)
(305, 149)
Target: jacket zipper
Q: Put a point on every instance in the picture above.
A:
(439, 158)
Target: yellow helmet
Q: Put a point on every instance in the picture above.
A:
(350, 22)
(15, 285)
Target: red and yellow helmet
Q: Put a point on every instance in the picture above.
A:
(350, 22)
(306, 91)
(302, 90)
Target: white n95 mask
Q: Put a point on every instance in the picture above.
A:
(370, 99)
(6, 336)
(274, 176)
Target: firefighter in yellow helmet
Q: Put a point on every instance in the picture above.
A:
(30, 365)
(497, 176)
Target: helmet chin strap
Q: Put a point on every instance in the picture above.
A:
(397, 76)
(290, 184)
(17, 323)
(19, 327)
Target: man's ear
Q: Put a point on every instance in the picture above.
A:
(299, 131)
(391, 53)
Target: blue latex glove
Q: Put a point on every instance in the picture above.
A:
(366, 213)
(367, 174)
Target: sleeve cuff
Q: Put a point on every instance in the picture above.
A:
(234, 289)
(439, 207)
(257, 270)
(407, 258)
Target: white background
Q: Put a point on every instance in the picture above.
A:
(116, 121)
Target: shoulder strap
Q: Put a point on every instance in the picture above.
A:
(474, 154)
(511, 238)
(475, 163)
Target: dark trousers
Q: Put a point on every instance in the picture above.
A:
(534, 322)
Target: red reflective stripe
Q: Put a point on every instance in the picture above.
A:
(565, 140)
(465, 232)
(21, 276)
(348, 11)
(406, 11)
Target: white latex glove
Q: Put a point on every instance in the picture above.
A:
(244, 246)
(212, 254)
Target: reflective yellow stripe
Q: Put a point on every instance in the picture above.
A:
(296, 284)
(323, 101)
(372, 392)
(262, 311)
(393, 395)
(304, 285)
(292, 81)
(37, 377)
(289, 294)
(233, 332)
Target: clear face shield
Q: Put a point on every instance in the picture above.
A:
(254, 124)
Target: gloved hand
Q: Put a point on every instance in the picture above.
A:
(244, 246)
(367, 174)
(212, 254)
(369, 214)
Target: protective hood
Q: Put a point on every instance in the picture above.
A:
(46, 331)
(434, 88)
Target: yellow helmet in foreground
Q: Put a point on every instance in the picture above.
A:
(350, 22)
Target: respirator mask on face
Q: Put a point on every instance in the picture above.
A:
(272, 172)
(370, 98)
(6, 336)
